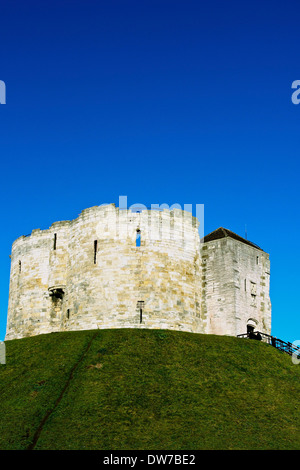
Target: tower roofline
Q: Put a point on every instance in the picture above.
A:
(222, 232)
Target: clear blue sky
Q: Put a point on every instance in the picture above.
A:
(163, 101)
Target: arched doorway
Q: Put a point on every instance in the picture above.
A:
(251, 325)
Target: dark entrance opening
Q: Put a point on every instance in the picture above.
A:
(250, 329)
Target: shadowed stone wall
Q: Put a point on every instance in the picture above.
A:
(236, 280)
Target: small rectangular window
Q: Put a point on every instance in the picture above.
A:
(253, 288)
(54, 241)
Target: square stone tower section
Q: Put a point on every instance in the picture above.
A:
(235, 284)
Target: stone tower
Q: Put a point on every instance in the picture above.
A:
(236, 284)
(113, 268)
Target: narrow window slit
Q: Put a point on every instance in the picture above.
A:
(140, 306)
(138, 238)
(20, 266)
(95, 251)
(54, 241)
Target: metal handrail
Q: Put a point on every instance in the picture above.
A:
(284, 346)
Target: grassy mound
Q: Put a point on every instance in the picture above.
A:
(134, 389)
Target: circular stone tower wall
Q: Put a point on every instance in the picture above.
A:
(109, 268)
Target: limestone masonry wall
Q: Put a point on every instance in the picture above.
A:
(92, 272)
(236, 293)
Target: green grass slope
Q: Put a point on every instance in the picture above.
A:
(147, 389)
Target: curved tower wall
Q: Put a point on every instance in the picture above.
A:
(88, 273)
